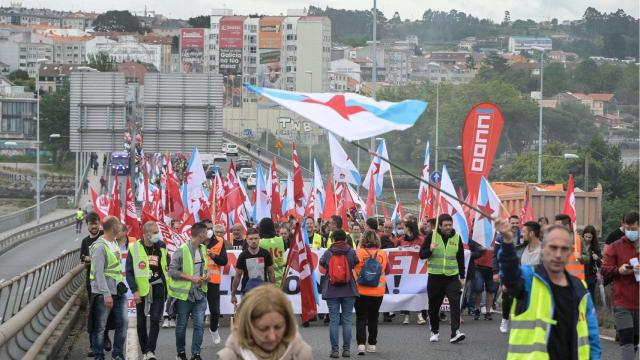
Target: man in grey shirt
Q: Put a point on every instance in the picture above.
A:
(105, 275)
(188, 269)
(532, 250)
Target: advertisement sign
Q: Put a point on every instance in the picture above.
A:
(270, 36)
(406, 283)
(230, 61)
(480, 139)
(232, 96)
(231, 32)
(192, 50)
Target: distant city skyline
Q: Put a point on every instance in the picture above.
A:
(537, 10)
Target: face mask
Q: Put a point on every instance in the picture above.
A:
(631, 235)
(209, 234)
(155, 238)
(400, 232)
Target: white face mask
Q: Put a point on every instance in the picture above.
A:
(209, 234)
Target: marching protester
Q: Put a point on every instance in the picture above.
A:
(398, 233)
(315, 239)
(621, 267)
(591, 258)
(146, 269)
(553, 315)
(216, 261)
(334, 224)
(507, 299)
(239, 242)
(482, 279)
(274, 244)
(370, 271)
(108, 291)
(253, 267)
(616, 234)
(285, 234)
(533, 250)
(339, 290)
(445, 255)
(79, 219)
(356, 233)
(265, 328)
(411, 238)
(188, 272)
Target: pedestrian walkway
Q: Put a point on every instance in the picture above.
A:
(85, 199)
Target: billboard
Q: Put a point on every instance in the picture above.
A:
(192, 50)
(270, 48)
(230, 59)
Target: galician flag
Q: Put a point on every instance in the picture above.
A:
(289, 204)
(459, 219)
(317, 190)
(261, 208)
(422, 191)
(352, 116)
(192, 183)
(483, 226)
(343, 168)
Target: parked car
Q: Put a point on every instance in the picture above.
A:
(244, 173)
(231, 149)
(252, 180)
(219, 158)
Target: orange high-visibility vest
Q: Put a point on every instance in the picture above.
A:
(215, 270)
(363, 255)
(575, 268)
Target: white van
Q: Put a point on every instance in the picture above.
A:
(231, 149)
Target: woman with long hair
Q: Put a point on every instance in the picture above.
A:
(591, 258)
(265, 329)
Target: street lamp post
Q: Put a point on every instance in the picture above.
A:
(38, 61)
(310, 73)
(540, 118)
(374, 70)
(586, 167)
(437, 122)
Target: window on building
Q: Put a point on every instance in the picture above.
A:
(289, 26)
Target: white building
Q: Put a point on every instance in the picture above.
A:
(527, 43)
(313, 53)
(397, 66)
(128, 48)
(347, 67)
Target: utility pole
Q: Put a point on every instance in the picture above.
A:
(374, 70)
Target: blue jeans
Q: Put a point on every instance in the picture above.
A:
(196, 310)
(336, 307)
(100, 315)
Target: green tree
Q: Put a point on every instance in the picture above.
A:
(102, 62)
(555, 79)
(54, 119)
(202, 21)
(117, 21)
(525, 166)
(18, 75)
(586, 76)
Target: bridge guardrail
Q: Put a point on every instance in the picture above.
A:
(19, 237)
(33, 303)
(21, 217)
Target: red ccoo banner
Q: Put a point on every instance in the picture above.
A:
(480, 138)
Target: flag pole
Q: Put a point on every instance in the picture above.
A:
(425, 181)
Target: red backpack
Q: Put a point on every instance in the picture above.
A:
(339, 271)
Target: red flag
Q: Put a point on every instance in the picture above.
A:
(114, 207)
(173, 200)
(309, 209)
(526, 214)
(480, 138)
(276, 203)
(385, 213)
(185, 228)
(299, 259)
(233, 194)
(329, 202)
(298, 184)
(130, 214)
(100, 204)
(371, 194)
(345, 203)
(570, 201)
(170, 237)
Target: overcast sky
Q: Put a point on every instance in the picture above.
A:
(534, 9)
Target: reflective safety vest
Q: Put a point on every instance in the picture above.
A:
(575, 268)
(363, 255)
(316, 242)
(179, 288)
(215, 270)
(531, 329)
(275, 247)
(443, 260)
(114, 267)
(141, 269)
(79, 215)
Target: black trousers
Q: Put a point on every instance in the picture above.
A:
(213, 298)
(507, 300)
(438, 287)
(367, 311)
(148, 340)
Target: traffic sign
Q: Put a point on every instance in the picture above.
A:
(435, 177)
(248, 133)
(279, 145)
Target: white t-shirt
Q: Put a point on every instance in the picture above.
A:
(531, 257)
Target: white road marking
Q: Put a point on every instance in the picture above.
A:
(133, 348)
(607, 338)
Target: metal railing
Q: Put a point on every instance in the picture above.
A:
(21, 217)
(33, 303)
(19, 237)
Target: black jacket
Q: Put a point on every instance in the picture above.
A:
(425, 250)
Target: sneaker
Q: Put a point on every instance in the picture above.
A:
(334, 355)
(144, 357)
(421, 320)
(165, 323)
(476, 314)
(196, 357)
(181, 356)
(361, 349)
(406, 320)
(457, 338)
(90, 354)
(371, 348)
(215, 336)
(488, 316)
(151, 356)
(106, 345)
(504, 326)
(172, 323)
(346, 353)
(435, 337)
